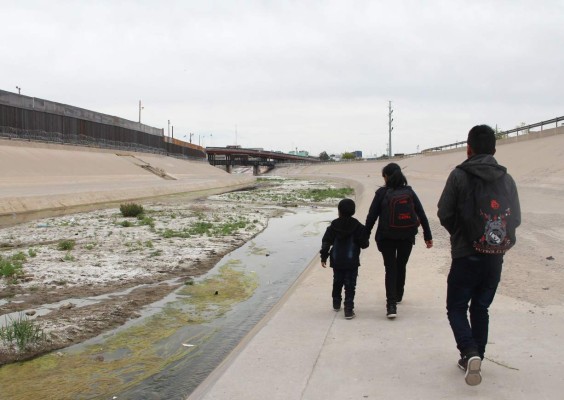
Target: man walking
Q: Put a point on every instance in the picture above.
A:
(479, 207)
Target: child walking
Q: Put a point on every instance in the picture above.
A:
(341, 243)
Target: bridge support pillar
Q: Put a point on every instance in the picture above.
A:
(256, 170)
(229, 168)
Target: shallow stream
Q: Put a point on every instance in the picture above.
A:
(178, 341)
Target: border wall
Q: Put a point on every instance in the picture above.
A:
(30, 118)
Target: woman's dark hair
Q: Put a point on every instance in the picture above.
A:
(395, 177)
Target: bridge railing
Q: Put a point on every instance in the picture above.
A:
(503, 134)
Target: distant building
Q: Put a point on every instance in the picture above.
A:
(357, 154)
(301, 153)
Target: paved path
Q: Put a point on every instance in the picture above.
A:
(304, 350)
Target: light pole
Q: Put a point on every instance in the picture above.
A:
(391, 128)
(19, 89)
(140, 108)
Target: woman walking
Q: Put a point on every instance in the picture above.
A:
(399, 213)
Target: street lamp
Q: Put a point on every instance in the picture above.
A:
(140, 108)
(19, 89)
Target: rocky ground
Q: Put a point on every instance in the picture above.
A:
(87, 273)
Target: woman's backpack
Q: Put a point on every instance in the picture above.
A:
(398, 219)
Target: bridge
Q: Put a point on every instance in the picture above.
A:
(231, 156)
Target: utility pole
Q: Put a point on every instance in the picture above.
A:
(140, 108)
(390, 129)
(19, 89)
(168, 132)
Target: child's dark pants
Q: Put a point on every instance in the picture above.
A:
(347, 278)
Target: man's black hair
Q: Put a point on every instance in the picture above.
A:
(481, 139)
(346, 207)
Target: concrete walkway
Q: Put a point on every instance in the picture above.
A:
(305, 350)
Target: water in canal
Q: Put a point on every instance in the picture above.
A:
(180, 340)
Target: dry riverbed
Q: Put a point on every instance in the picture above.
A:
(86, 273)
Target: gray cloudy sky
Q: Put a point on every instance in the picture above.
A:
(312, 75)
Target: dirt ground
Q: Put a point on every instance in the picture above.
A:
(119, 265)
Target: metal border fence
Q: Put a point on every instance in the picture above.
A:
(168, 149)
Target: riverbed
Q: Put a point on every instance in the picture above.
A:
(175, 342)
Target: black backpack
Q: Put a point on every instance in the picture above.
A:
(486, 216)
(398, 219)
(344, 252)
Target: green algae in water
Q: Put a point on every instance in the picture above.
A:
(134, 354)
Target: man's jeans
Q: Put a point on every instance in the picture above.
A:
(473, 280)
(347, 278)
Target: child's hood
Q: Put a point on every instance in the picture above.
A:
(344, 226)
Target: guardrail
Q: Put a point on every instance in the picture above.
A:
(501, 135)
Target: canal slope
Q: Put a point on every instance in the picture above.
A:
(38, 179)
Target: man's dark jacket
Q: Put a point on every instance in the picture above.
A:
(458, 187)
(342, 242)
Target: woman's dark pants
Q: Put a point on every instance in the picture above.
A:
(396, 255)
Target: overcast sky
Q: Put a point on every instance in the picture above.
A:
(281, 75)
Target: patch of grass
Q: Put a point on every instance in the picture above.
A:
(170, 233)
(131, 209)
(227, 228)
(200, 228)
(144, 220)
(126, 224)
(21, 331)
(156, 253)
(319, 195)
(90, 246)
(66, 245)
(19, 256)
(69, 257)
(10, 268)
(149, 244)
(32, 253)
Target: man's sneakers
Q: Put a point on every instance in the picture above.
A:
(349, 313)
(391, 311)
(472, 365)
